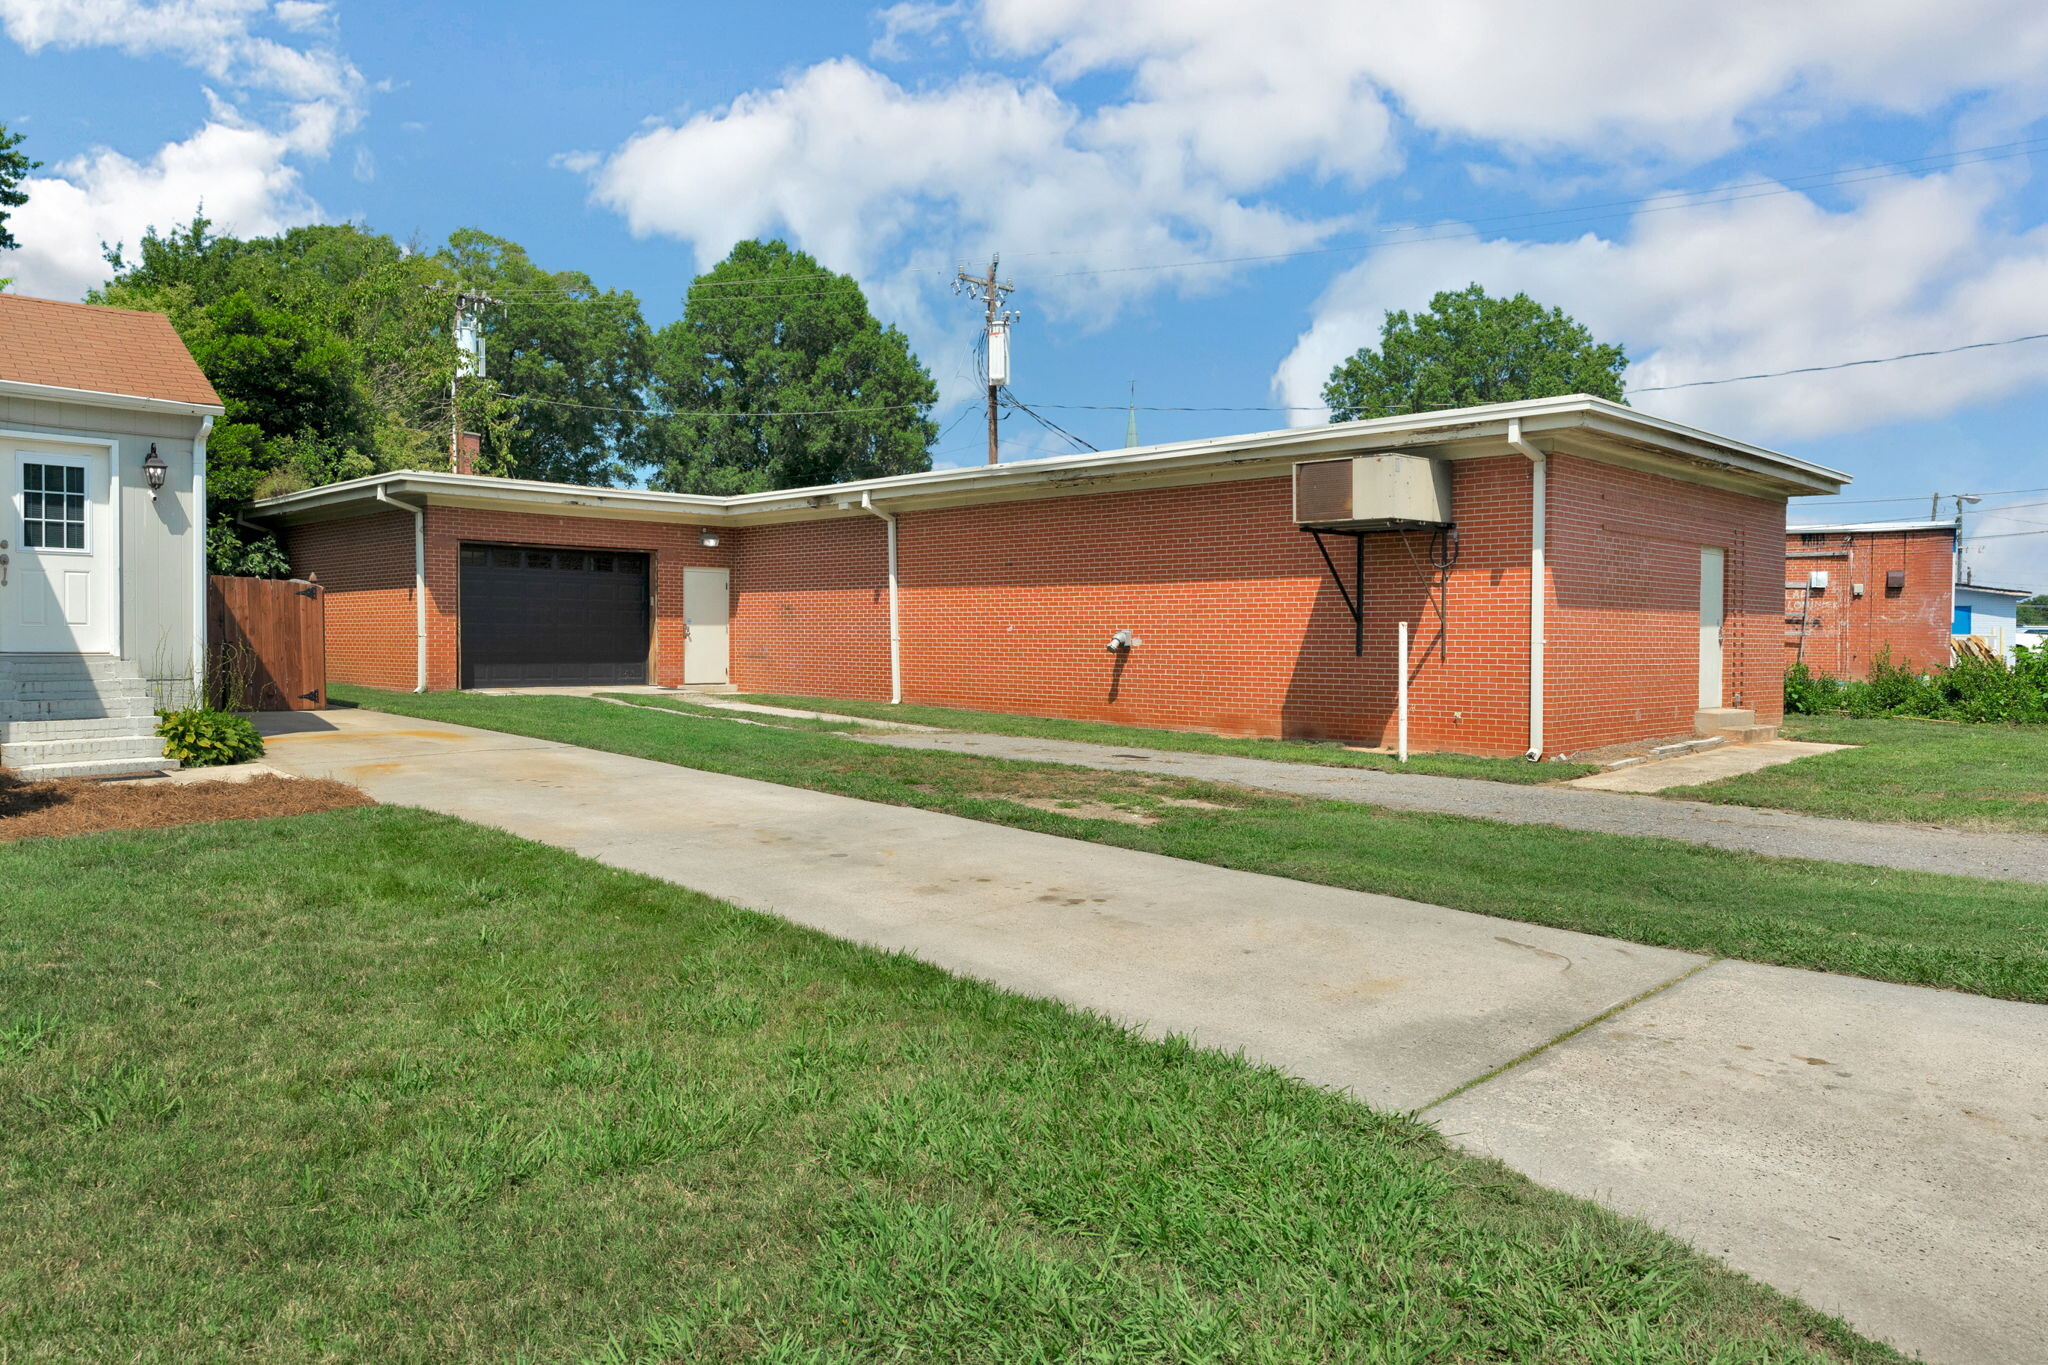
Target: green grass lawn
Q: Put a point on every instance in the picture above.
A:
(1987, 937)
(378, 1085)
(1185, 741)
(1988, 777)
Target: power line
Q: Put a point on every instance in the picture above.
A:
(706, 416)
(1010, 400)
(1842, 365)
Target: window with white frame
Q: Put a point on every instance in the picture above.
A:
(53, 506)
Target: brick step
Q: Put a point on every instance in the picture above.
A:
(104, 767)
(43, 752)
(80, 727)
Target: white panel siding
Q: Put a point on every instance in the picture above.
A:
(157, 538)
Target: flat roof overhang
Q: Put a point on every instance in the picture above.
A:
(1576, 424)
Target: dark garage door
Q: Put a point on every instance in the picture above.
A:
(552, 618)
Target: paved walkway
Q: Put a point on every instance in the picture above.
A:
(1708, 765)
(1878, 1150)
(2015, 857)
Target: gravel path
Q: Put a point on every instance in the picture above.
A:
(2012, 857)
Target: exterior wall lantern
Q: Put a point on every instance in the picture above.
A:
(154, 469)
(708, 538)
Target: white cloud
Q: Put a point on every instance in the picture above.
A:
(864, 172)
(1605, 76)
(241, 174)
(921, 20)
(1749, 287)
(295, 101)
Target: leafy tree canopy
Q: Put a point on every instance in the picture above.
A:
(2034, 611)
(1471, 348)
(767, 331)
(14, 168)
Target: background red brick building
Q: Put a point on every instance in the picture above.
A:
(1854, 591)
(1010, 581)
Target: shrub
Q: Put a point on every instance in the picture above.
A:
(201, 737)
(1808, 693)
(1985, 691)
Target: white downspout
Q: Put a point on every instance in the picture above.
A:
(199, 560)
(895, 631)
(419, 581)
(1539, 481)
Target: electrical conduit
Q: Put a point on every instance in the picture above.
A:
(1539, 480)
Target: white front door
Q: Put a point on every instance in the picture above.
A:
(707, 608)
(62, 549)
(1713, 571)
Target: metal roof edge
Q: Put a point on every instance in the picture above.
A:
(133, 402)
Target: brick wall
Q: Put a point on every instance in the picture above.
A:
(365, 564)
(811, 609)
(1844, 633)
(1624, 613)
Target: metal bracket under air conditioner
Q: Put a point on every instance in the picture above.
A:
(1354, 596)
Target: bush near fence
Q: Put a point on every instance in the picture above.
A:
(1984, 690)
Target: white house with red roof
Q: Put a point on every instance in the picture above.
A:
(104, 417)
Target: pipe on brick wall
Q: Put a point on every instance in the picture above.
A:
(419, 581)
(895, 633)
(1539, 488)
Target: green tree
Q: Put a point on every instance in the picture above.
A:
(14, 168)
(1471, 348)
(576, 360)
(765, 332)
(2034, 611)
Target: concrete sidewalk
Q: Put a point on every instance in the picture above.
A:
(1879, 1150)
(2013, 857)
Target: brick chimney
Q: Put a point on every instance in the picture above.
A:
(467, 447)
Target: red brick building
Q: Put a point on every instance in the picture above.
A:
(1854, 590)
(1656, 547)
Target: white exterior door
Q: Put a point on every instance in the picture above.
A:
(1713, 573)
(62, 545)
(707, 610)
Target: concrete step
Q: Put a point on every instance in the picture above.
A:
(75, 708)
(43, 752)
(77, 727)
(109, 767)
(1749, 734)
(65, 666)
(1712, 720)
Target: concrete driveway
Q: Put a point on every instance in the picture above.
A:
(1880, 1151)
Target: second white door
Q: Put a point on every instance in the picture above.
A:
(60, 539)
(707, 610)
(1713, 569)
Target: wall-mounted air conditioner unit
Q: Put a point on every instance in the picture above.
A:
(1368, 491)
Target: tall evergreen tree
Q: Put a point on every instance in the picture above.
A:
(1471, 348)
(768, 332)
(14, 168)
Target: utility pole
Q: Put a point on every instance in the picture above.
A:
(469, 360)
(997, 322)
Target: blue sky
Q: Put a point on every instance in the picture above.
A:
(1123, 157)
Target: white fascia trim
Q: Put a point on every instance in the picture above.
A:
(56, 393)
(1489, 423)
(1845, 527)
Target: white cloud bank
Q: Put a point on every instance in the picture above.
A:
(241, 166)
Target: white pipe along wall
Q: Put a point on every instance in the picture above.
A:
(1539, 487)
(419, 583)
(895, 634)
(199, 560)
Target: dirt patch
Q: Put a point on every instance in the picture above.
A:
(81, 806)
(1080, 810)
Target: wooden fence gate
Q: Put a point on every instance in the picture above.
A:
(266, 644)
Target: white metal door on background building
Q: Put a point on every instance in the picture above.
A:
(707, 609)
(1713, 572)
(61, 543)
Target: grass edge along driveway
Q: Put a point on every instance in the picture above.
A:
(1314, 752)
(382, 1085)
(1961, 933)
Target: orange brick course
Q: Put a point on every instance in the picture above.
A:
(1008, 606)
(1843, 634)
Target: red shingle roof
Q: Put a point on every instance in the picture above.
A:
(103, 350)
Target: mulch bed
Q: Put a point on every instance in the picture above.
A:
(82, 806)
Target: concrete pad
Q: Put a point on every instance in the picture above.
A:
(225, 772)
(1690, 770)
(792, 713)
(1880, 1151)
(1396, 1001)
